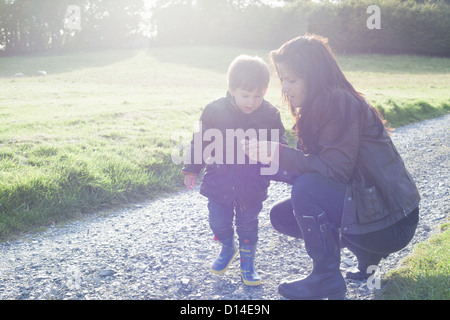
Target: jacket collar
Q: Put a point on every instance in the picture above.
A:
(231, 101)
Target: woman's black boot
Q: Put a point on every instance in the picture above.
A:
(322, 245)
(365, 258)
(364, 262)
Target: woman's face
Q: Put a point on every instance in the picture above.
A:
(293, 87)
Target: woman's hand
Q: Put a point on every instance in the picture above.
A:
(265, 152)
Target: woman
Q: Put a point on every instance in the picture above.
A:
(353, 189)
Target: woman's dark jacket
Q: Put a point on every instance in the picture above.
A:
(232, 179)
(356, 150)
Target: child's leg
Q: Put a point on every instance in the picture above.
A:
(221, 223)
(221, 220)
(247, 223)
(247, 229)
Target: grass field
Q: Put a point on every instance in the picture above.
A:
(425, 274)
(96, 132)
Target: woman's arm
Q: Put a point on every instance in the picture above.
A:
(337, 154)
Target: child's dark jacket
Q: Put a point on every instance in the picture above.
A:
(230, 180)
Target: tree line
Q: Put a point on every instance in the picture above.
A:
(390, 26)
(29, 26)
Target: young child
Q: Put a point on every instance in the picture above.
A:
(235, 189)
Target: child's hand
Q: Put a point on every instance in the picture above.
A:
(190, 180)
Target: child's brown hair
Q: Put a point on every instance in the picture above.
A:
(248, 73)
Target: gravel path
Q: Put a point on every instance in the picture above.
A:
(162, 249)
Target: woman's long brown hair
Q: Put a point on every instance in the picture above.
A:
(310, 58)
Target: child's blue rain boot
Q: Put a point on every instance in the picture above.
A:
(226, 256)
(248, 272)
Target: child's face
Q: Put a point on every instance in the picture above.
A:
(248, 101)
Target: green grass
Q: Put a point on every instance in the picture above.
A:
(404, 89)
(96, 132)
(424, 275)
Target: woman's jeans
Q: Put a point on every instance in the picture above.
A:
(246, 219)
(313, 194)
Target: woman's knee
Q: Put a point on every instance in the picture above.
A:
(306, 185)
(313, 193)
(305, 190)
(279, 211)
(304, 182)
(283, 220)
